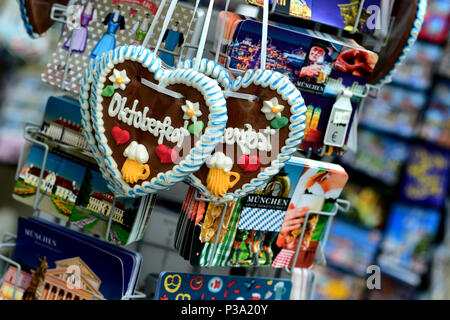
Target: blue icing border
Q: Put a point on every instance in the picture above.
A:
(26, 21)
(211, 69)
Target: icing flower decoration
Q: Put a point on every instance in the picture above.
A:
(191, 111)
(135, 167)
(272, 109)
(119, 79)
(220, 177)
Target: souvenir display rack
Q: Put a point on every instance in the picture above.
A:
(32, 130)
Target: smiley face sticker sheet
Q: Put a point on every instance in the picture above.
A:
(194, 286)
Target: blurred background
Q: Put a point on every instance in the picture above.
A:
(398, 186)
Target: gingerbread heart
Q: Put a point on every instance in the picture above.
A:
(266, 124)
(408, 17)
(84, 98)
(156, 107)
(36, 15)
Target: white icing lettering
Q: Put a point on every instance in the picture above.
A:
(248, 139)
(116, 105)
(139, 120)
(270, 132)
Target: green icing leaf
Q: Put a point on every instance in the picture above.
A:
(196, 128)
(279, 123)
(108, 91)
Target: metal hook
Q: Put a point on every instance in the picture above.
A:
(358, 17)
(58, 13)
(29, 138)
(14, 263)
(110, 218)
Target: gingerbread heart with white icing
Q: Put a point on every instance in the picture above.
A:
(131, 92)
(84, 98)
(266, 115)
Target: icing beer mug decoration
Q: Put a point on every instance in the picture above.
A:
(135, 167)
(220, 177)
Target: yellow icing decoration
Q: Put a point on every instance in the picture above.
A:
(190, 112)
(219, 181)
(119, 80)
(133, 171)
(276, 109)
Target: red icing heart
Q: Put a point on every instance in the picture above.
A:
(165, 154)
(249, 163)
(121, 136)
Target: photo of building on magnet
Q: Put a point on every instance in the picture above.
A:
(95, 205)
(60, 184)
(62, 122)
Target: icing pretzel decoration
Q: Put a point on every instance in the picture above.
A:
(266, 116)
(154, 108)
